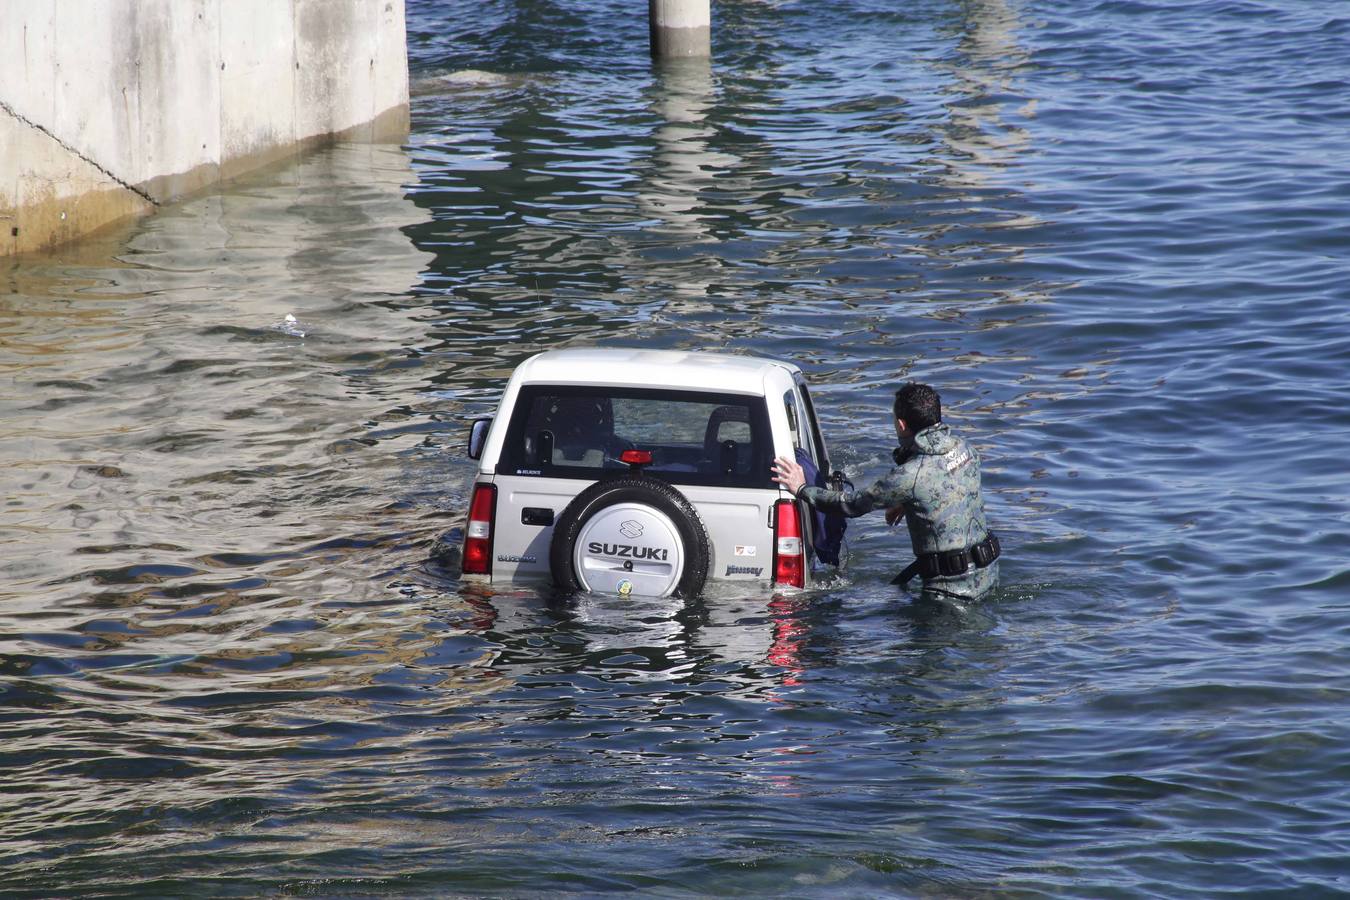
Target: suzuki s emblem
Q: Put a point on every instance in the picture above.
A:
(630, 529)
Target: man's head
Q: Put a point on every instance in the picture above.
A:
(917, 406)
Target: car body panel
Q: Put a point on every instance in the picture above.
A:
(740, 530)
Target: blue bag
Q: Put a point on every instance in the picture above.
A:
(829, 527)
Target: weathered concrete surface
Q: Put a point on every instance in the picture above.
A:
(109, 108)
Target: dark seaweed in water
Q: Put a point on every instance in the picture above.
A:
(1112, 234)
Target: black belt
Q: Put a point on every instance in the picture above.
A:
(947, 563)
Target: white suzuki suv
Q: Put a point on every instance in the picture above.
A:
(642, 472)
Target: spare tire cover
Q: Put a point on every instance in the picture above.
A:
(630, 535)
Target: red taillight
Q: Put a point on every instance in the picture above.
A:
(636, 457)
(478, 536)
(789, 556)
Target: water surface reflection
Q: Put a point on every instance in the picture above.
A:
(230, 661)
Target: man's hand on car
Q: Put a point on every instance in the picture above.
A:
(789, 474)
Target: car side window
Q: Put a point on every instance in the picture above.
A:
(797, 425)
(813, 425)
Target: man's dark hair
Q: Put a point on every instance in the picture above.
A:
(919, 405)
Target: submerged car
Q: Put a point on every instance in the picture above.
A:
(645, 472)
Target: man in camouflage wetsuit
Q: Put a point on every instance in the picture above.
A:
(936, 489)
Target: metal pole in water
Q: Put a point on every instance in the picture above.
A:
(680, 28)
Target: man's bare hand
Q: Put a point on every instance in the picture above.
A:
(787, 473)
(895, 514)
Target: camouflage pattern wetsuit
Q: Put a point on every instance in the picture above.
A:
(939, 486)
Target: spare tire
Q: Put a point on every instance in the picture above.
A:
(630, 535)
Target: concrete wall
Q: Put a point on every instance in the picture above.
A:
(109, 108)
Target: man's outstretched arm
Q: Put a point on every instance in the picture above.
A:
(882, 494)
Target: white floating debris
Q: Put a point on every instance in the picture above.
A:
(290, 325)
(475, 77)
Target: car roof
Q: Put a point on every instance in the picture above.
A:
(652, 368)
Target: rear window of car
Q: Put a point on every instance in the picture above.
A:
(694, 437)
